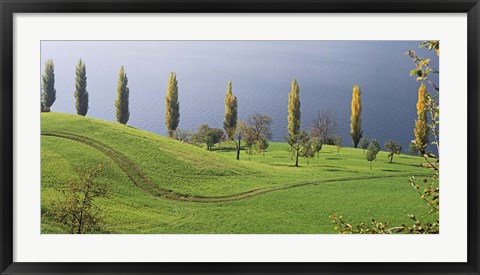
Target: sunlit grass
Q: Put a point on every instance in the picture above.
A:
(334, 183)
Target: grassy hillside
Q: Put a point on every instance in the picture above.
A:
(160, 185)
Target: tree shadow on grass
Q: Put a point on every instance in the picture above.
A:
(288, 165)
(331, 166)
(390, 170)
(405, 164)
(223, 149)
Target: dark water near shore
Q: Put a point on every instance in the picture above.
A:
(261, 72)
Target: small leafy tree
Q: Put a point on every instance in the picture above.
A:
(122, 111)
(250, 140)
(372, 151)
(48, 93)
(308, 149)
(317, 145)
(183, 135)
(207, 135)
(297, 143)
(262, 145)
(337, 141)
(78, 212)
(172, 106)
(324, 126)
(240, 132)
(81, 93)
(364, 142)
(213, 136)
(393, 148)
(198, 136)
(260, 126)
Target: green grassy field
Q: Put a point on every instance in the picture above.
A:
(159, 185)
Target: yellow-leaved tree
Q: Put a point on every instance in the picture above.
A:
(421, 124)
(355, 118)
(230, 117)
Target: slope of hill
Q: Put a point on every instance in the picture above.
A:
(160, 185)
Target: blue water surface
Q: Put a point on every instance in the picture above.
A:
(261, 72)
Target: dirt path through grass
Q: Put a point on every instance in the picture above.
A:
(143, 182)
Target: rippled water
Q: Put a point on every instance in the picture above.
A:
(261, 72)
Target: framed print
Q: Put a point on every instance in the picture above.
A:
(239, 137)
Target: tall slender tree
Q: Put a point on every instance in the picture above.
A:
(121, 102)
(48, 93)
(294, 119)
(172, 106)
(421, 124)
(355, 119)
(81, 93)
(230, 117)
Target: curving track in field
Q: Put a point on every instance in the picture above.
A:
(143, 182)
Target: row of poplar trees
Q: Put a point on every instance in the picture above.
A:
(172, 108)
(48, 93)
(172, 105)
(122, 113)
(296, 135)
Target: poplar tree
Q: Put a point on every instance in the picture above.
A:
(230, 117)
(294, 119)
(81, 93)
(48, 93)
(172, 106)
(355, 119)
(421, 124)
(121, 102)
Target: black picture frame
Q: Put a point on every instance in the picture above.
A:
(9, 7)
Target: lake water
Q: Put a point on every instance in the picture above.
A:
(261, 72)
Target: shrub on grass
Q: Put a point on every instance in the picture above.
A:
(78, 211)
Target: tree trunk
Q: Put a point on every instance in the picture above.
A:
(238, 148)
(391, 158)
(296, 160)
(370, 165)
